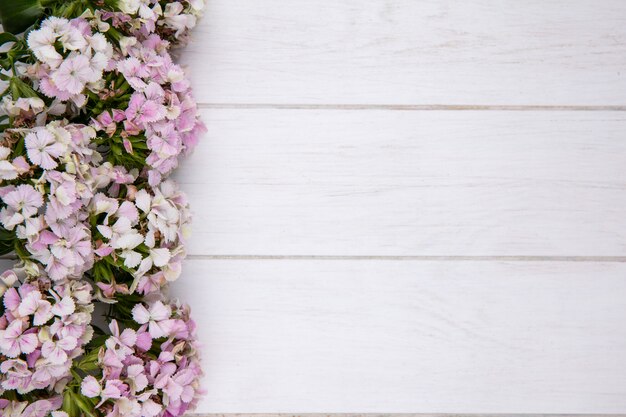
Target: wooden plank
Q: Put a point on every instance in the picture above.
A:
(438, 183)
(491, 52)
(390, 336)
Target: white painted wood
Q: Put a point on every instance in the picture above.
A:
(557, 52)
(405, 336)
(302, 182)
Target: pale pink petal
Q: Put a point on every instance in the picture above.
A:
(65, 307)
(141, 314)
(90, 387)
(159, 311)
(128, 337)
(43, 313)
(28, 343)
(67, 343)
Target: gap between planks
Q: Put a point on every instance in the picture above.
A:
(399, 415)
(406, 107)
(452, 258)
(424, 258)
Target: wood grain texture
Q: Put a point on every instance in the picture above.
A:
(432, 183)
(410, 336)
(559, 52)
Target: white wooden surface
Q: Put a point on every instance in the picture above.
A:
(531, 52)
(344, 182)
(411, 336)
(365, 243)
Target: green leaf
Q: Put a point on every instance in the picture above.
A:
(7, 241)
(20, 89)
(69, 405)
(6, 37)
(86, 405)
(17, 15)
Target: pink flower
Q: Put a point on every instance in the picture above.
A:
(137, 377)
(73, 74)
(142, 111)
(34, 304)
(49, 89)
(63, 257)
(133, 70)
(22, 203)
(56, 351)
(144, 340)
(128, 210)
(42, 147)
(39, 408)
(24, 199)
(18, 376)
(157, 313)
(109, 290)
(64, 307)
(113, 388)
(90, 387)
(121, 342)
(16, 339)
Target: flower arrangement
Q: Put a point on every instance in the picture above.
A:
(94, 118)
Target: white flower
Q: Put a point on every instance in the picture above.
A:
(7, 170)
(22, 104)
(173, 9)
(7, 280)
(4, 152)
(126, 42)
(58, 24)
(42, 147)
(197, 5)
(71, 39)
(123, 237)
(164, 216)
(181, 23)
(41, 42)
(125, 407)
(34, 304)
(103, 204)
(143, 201)
(158, 257)
(99, 43)
(128, 6)
(153, 316)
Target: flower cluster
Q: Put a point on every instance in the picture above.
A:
(141, 232)
(38, 408)
(70, 58)
(151, 370)
(52, 181)
(160, 108)
(95, 118)
(171, 20)
(45, 326)
(150, 114)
